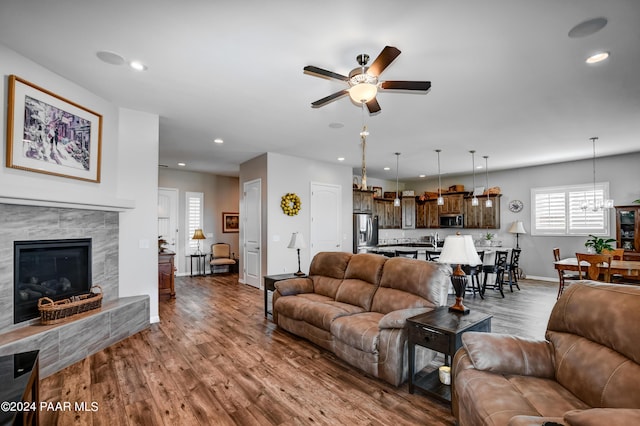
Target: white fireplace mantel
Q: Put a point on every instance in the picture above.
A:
(103, 204)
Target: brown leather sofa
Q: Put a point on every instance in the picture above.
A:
(356, 306)
(586, 372)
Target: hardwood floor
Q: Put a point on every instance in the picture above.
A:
(215, 360)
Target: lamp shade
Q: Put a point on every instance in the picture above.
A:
(459, 250)
(517, 227)
(198, 235)
(297, 241)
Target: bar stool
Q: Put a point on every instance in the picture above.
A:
(498, 268)
(474, 273)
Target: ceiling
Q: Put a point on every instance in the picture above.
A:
(507, 80)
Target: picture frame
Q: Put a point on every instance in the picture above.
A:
(230, 222)
(49, 134)
(377, 191)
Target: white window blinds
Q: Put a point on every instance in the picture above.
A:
(194, 213)
(569, 210)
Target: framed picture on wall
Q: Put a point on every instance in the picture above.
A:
(230, 222)
(377, 191)
(49, 134)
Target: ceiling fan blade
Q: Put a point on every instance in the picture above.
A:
(373, 106)
(384, 59)
(327, 99)
(405, 85)
(322, 73)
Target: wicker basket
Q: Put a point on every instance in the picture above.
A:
(54, 312)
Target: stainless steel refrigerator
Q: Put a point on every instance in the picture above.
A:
(365, 232)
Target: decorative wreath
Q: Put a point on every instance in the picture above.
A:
(290, 204)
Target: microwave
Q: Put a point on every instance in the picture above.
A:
(451, 221)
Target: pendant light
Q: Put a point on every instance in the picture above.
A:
(396, 201)
(604, 204)
(440, 197)
(474, 200)
(487, 203)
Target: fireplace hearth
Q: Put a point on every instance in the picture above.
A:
(57, 269)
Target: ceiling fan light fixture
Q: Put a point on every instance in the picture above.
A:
(362, 93)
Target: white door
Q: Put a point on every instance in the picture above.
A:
(251, 232)
(168, 218)
(326, 218)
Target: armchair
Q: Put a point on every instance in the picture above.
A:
(585, 372)
(221, 257)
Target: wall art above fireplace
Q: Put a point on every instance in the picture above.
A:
(47, 133)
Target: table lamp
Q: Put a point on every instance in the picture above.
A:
(297, 242)
(459, 250)
(198, 235)
(517, 227)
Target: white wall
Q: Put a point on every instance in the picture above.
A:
(291, 174)
(282, 174)
(16, 183)
(138, 179)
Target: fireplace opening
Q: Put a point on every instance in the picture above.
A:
(57, 269)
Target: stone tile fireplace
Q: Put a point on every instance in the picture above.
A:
(69, 342)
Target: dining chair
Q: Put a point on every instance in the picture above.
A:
(511, 268)
(412, 254)
(616, 254)
(498, 268)
(596, 264)
(562, 275)
(473, 272)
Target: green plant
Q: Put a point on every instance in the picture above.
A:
(599, 244)
(489, 236)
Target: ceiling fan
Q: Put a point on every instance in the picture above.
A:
(363, 81)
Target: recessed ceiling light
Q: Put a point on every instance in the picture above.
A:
(340, 158)
(422, 176)
(598, 57)
(138, 66)
(586, 28)
(218, 140)
(336, 125)
(182, 164)
(110, 57)
(387, 168)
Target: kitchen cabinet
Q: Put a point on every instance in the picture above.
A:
(362, 201)
(453, 204)
(427, 214)
(408, 205)
(628, 231)
(389, 216)
(481, 216)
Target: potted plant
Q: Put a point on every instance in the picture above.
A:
(487, 238)
(598, 244)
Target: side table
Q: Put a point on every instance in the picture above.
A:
(270, 285)
(19, 374)
(441, 331)
(200, 264)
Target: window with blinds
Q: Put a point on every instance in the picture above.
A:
(194, 213)
(569, 210)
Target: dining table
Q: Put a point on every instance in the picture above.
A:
(626, 268)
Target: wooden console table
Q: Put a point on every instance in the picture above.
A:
(166, 280)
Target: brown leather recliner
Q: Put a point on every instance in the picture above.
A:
(586, 372)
